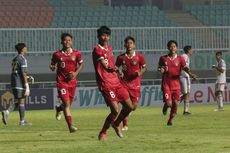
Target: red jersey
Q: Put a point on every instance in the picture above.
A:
(129, 66)
(171, 78)
(65, 65)
(104, 79)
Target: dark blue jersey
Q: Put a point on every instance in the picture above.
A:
(19, 66)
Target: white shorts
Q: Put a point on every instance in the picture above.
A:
(220, 87)
(185, 84)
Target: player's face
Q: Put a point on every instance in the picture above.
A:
(24, 50)
(67, 42)
(190, 52)
(104, 38)
(130, 45)
(172, 48)
(218, 57)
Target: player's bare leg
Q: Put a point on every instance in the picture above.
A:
(125, 124)
(173, 112)
(126, 109)
(166, 105)
(125, 121)
(68, 117)
(114, 108)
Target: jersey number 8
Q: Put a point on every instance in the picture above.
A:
(112, 94)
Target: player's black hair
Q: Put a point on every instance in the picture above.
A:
(187, 48)
(19, 47)
(170, 42)
(103, 30)
(64, 35)
(129, 38)
(218, 53)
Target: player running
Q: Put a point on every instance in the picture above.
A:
(68, 63)
(220, 68)
(19, 84)
(109, 84)
(133, 67)
(185, 81)
(170, 66)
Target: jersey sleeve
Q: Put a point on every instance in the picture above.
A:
(183, 63)
(54, 59)
(222, 65)
(98, 54)
(142, 61)
(23, 64)
(161, 62)
(186, 59)
(118, 61)
(79, 58)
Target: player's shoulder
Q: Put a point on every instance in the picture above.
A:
(75, 51)
(184, 55)
(180, 56)
(222, 60)
(57, 52)
(20, 57)
(121, 55)
(163, 56)
(139, 54)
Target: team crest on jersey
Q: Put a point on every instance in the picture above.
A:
(176, 63)
(73, 58)
(123, 62)
(134, 61)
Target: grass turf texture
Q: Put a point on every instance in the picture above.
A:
(205, 131)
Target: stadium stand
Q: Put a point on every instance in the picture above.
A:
(215, 15)
(25, 14)
(77, 14)
(118, 16)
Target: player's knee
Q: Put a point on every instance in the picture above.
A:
(218, 93)
(115, 112)
(67, 104)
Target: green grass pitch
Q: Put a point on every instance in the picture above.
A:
(205, 131)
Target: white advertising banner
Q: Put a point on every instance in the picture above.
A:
(150, 95)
